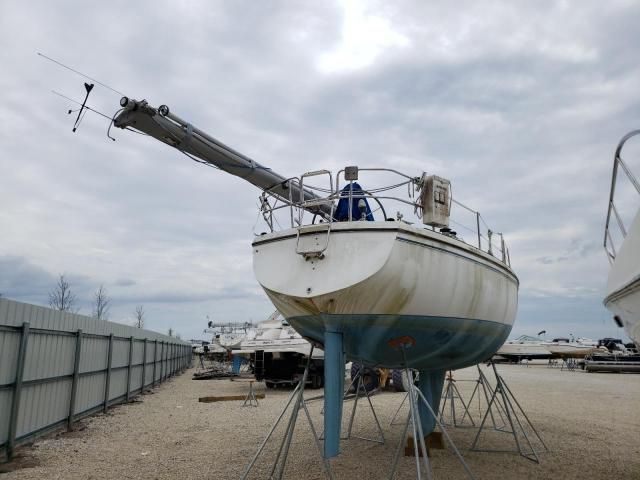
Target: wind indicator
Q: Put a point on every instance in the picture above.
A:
(88, 87)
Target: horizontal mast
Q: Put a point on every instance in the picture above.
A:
(167, 127)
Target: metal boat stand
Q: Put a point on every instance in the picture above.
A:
(503, 399)
(250, 400)
(395, 415)
(484, 389)
(358, 383)
(297, 399)
(451, 394)
(415, 396)
(569, 364)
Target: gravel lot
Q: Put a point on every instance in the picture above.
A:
(589, 421)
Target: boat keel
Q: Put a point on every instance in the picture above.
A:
(334, 361)
(430, 385)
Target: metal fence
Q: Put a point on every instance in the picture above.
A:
(57, 367)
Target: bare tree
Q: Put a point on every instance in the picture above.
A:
(61, 297)
(139, 315)
(101, 303)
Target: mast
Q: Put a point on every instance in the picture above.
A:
(167, 127)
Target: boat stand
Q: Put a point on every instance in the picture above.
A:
(451, 394)
(395, 415)
(358, 383)
(569, 364)
(419, 448)
(297, 399)
(250, 400)
(506, 403)
(484, 389)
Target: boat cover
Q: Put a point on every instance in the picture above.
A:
(342, 210)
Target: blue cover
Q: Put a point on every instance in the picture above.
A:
(342, 211)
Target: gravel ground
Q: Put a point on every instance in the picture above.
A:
(589, 421)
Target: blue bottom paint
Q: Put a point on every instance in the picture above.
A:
(334, 361)
(237, 363)
(441, 343)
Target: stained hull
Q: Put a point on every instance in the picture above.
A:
(623, 284)
(379, 282)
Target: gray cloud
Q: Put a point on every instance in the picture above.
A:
(520, 105)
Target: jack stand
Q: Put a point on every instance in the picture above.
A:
(395, 415)
(451, 394)
(415, 396)
(483, 384)
(279, 464)
(415, 376)
(358, 381)
(250, 400)
(569, 364)
(504, 399)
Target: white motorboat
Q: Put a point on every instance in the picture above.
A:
(357, 281)
(623, 284)
(277, 336)
(229, 335)
(525, 347)
(278, 354)
(570, 348)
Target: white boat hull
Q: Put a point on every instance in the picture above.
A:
(381, 281)
(571, 350)
(623, 284)
(523, 350)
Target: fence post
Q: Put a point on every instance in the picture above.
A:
(129, 367)
(155, 359)
(74, 382)
(17, 389)
(161, 360)
(108, 380)
(144, 365)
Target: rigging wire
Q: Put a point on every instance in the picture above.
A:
(86, 106)
(81, 74)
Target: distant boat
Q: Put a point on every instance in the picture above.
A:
(229, 335)
(569, 348)
(623, 284)
(278, 354)
(525, 347)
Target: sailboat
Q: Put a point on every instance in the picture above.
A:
(360, 283)
(623, 283)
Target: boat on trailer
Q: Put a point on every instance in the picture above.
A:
(360, 283)
(623, 283)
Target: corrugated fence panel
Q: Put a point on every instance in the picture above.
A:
(9, 343)
(49, 360)
(6, 397)
(90, 392)
(43, 404)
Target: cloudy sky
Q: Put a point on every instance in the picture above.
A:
(520, 104)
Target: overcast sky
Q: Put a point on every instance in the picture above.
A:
(520, 104)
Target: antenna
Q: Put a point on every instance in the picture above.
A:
(88, 87)
(81, 74)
